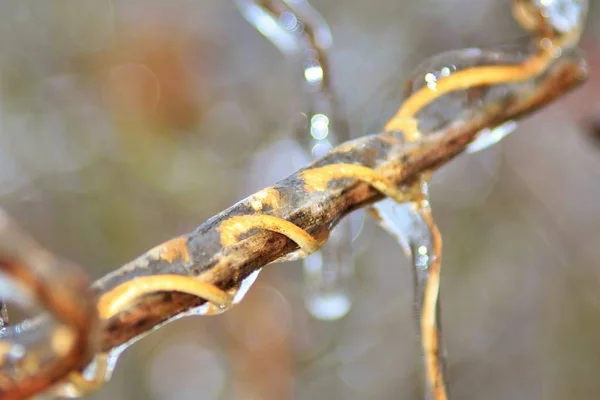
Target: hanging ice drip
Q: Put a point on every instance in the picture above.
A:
(297, 29)
(440, 92)
(428, 112)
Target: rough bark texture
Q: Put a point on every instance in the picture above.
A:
(315, 212)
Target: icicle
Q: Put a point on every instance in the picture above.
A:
(412, 225)
(327, 274)
(488, 137)
(431, 105)
(280, 33)
(296, 28)
(401, 220)
(440, 93)
(405, 223)
(100, 369)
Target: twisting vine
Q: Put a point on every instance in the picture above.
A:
(297, 29)
(553, 33)
(73, 349)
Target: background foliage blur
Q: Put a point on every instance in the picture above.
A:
(120, 128)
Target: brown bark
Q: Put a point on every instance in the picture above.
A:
(316, 213)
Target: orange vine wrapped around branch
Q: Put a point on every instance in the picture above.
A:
(73, 349)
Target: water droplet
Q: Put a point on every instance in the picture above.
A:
(245, 286)
(103, 365)
(274, 29)
(564, 15)
(289, 21)
(398, 220)
(458, 104)
(404, 222)
(238, 294)
(321, 148)
(313, 71)
(319, 126)
(487, 137)
(326, 280)
(328, 274)
(328, 306)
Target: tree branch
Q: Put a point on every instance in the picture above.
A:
(200, 253)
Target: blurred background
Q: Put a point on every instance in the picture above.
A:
(122, 127)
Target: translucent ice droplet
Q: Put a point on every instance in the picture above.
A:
(238, 294)
(269, 26)
(444, 65)
(97, 372)
(465, 97)
(310, 17)
(313, 71)
(404, 222)
(245, 286)
(328, 273)
(103, 364)
(488, 137)
(328, 306)
(410, 224)
(283, 21)
(327, 276)
(397, 220)
(564, 15)
(324, 297)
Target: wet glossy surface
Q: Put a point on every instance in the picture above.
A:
(314, 200)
